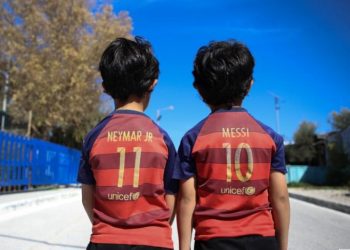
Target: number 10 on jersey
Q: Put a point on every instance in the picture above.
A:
(237, 162)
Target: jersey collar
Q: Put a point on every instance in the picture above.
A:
(229, 109)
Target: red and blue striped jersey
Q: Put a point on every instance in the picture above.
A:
(231, 155)
(130, 160)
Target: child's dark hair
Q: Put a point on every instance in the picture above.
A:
(223, 72)
(128, 68)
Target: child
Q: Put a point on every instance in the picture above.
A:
(231, 166)
(127, 160)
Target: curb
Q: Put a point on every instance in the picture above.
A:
(322, 203)
(25, 203)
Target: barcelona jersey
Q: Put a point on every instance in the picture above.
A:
(130, 161)
(231, 155)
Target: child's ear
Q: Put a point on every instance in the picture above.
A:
(103, 88)
(251, 84)
(154, 83)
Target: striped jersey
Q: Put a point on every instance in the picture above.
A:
(130, 161)
(231, 155)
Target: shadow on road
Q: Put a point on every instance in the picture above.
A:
(41, 241)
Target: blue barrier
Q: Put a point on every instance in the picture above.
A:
(27, 161)
(316, 175)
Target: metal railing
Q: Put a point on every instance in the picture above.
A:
(27, 162)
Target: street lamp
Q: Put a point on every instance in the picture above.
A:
(159, 116)
(4, 100)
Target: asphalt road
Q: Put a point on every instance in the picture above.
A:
(318, 228)
(64, 225)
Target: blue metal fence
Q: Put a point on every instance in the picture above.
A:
(26, 161)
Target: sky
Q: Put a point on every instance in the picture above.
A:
(301, 50)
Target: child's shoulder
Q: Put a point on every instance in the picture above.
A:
(93, 133)
(164, 133)
(277, 138)
(191, 134)
(158, 127)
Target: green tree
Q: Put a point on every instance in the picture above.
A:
(303, 150)
(52, 49)
(339, 161)
(341, 120)
(339, 164)
(305, 134)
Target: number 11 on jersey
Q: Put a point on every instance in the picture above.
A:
(121, 151)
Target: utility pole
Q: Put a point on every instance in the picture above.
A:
(29, 127)
(277, 110)
(4, 100)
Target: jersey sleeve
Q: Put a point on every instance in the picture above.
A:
(171, 186)
(185, 166)
(278, 158)
(85, 175)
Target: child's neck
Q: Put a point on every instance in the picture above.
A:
(225, 106)
(132, 106)
(133, 103)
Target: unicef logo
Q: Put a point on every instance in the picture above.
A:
(135, 196)
(250, 190)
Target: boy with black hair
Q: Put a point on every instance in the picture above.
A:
(127, 160)
(231, 166)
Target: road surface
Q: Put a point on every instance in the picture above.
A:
(64, 225)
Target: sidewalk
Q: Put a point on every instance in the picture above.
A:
(22, 203)
(337, 199)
